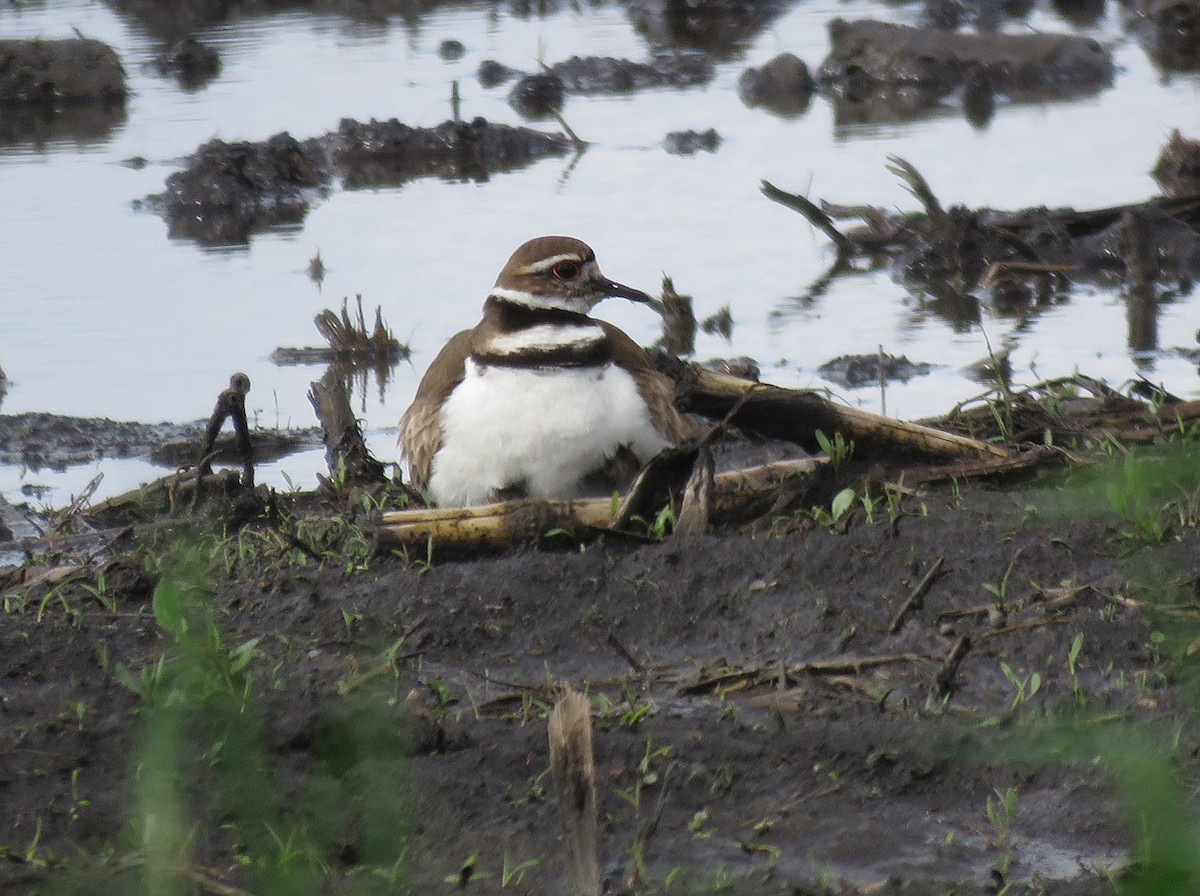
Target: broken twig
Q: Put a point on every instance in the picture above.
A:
(916, 596)
(231, 403)
(816, 217)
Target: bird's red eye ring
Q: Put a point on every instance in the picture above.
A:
(566, 270)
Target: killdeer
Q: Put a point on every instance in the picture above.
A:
(539, 399)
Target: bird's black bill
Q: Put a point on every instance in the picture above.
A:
(621, 291)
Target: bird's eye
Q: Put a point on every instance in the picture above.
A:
(566, 270)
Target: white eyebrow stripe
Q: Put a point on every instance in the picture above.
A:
(546, 263)
(545, 336)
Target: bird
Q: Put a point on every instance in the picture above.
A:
(539, 400)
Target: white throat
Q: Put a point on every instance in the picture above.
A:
(530, 300)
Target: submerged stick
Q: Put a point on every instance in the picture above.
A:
(574, 773)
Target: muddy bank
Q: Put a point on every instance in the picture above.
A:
(926, 688)
(780, 706)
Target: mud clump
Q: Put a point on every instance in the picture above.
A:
(56, 73)
(854, 371)
(592, 75)
(1154, 241)
(388, 153)
(192, 63)
(230, 190)
(537, 96)
(451, 50)
(688, 143)
(880, 71)
(1171, 31)
(1177, 170)
(603, 74)
(492, 73)
(720, 27)
(783, 85)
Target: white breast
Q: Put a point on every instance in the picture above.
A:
(544, 428)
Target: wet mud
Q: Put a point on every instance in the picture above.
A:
(778, 705)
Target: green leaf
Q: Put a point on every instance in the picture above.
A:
(842, 502)
(1073, 654)
(824, 443)
(242, 654)
(125, 677)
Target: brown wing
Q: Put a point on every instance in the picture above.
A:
(421, 426)
(657, 389)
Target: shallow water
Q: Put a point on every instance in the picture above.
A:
(103, 315)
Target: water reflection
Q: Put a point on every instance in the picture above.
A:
(723, 29)
(1022, 264)
(191, 63)
(43, 128)
(1080, 13)
(879, 72)
(173, 20)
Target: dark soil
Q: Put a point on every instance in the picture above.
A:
(756, 717)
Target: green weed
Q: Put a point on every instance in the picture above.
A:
(202, 726)
(838, 449)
